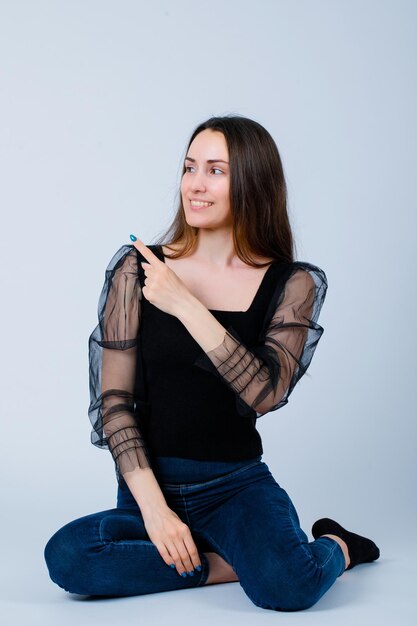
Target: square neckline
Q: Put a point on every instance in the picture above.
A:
(158, 248)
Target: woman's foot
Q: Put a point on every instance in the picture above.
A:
(219, 570)
(360, 549)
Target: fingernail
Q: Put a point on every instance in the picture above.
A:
(184, 574)
(191, 573)
(198, 568)
(172, 565)
(133, 238)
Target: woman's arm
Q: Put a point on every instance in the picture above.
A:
(146, 491)
(116, 425)
(263, 376)
(112, 358)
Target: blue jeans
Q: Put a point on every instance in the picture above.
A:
(235, 509)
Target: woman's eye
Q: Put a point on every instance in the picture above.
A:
(188, 167)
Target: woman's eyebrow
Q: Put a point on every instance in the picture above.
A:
(208, 160)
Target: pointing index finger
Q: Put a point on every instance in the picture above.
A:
(145, 251)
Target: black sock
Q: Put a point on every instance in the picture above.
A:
(361, 549)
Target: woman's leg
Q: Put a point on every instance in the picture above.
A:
(109, 553)
(252, 523)
(219, 570)
(343, 545)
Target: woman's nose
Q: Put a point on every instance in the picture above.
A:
(197, 182)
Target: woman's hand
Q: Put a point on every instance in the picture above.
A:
(163, 288)
(172, 538)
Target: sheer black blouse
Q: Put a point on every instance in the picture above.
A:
(153, 390)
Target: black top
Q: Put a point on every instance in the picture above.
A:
(153, 389)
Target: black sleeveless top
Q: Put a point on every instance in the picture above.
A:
(184, 402)
(191, 414)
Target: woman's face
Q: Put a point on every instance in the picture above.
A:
(207, 182)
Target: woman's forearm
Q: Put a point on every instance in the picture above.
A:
(201, 324)
(145, 489)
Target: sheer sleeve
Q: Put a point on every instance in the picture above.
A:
(263, 376)
(112, 365)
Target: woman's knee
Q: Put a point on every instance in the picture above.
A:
(66, 555)
(290, 593)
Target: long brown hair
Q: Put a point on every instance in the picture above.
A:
(258, 195)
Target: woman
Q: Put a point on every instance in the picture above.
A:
(196, 340)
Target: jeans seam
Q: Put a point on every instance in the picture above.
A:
(332, 551)
(184, 499)
(308, 553)
(219, 479)
(100, 532)
(304, 547)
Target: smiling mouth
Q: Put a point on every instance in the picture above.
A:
(200, 205)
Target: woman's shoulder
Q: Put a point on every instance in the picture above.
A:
(304, 276)
(317, 273)
(126, 258)
(123, 251)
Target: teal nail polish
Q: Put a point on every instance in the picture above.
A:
(198, 568)
(172, 565)
(133, 238)
(184, 574)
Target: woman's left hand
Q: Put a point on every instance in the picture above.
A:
(162, 288)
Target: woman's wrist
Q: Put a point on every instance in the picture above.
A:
(145, 489)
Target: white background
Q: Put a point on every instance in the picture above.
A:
(98, 100)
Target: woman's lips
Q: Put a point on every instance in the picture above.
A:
(200, 208)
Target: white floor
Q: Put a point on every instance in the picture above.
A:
(383, 593)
